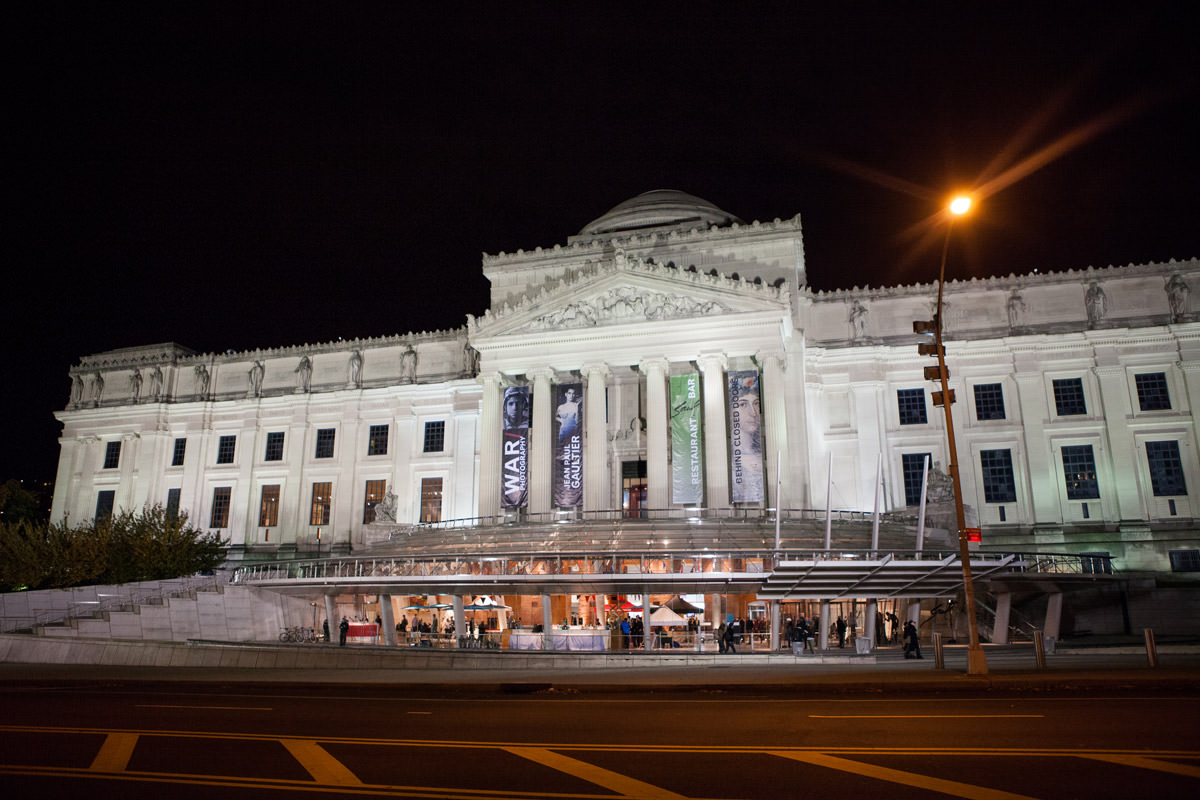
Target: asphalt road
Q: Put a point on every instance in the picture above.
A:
(112, 738)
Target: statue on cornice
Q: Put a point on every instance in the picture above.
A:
(256, 378)
(156, 382)
(1096, 303)
(303, 372)
(939, 487)
(385, 509)
(135, 385)
(408, 365)
(1016, 307)
(355, 369)
(1177, 296)
(76, 391)
(97, 388)
(858, 322)
(202, 379)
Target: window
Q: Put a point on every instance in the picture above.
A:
(1079, 471)
(913, 466)
(225, 448)
(220, 507)
(431, 500)
(435, 437)
(912, 406)
(322, 499)
(1166, 468)
(1068, 397)
(268, 507)
(1152, 391)
(998, 483)
(325, 443)
(173, 504)
(375, 492)
(177, 455)
(104, 503)
(989, 401)
(1098, 563)
(112, 455)
(274, 446)
(377, 440)
(1185, 560)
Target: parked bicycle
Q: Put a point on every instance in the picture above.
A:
(298, 634)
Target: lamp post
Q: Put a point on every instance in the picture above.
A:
(976, 659)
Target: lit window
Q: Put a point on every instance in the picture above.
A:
(374, 493)
(377, 440)
(913, 465)
(268, 507)
(225, 448)
(1068, 397)
(989, 401)
(435, 437)
(1152, 391)
(274, 446)
(325, 438)
(998, 483)
(1166, 468)
(912, 406)
(220, 507)
(431, 500)
(112, 455)
(1079, 471)
(177, 454)
(322, 500)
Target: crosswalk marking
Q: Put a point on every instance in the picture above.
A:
(114, 753)
(323, 767)
(1148, 763)
(897, 776)
(623, 784)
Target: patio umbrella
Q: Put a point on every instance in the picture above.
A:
(484, 603)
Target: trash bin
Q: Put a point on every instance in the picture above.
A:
(1049, 641)
(862, 646)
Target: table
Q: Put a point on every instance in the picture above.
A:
(560, 640)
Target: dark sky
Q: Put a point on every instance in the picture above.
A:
(241, 176)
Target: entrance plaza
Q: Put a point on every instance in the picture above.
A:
(643, 585)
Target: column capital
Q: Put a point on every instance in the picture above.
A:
(656, 364)
(712, 361)
(541, 374)
(489, 379)
(594, 371)
(766, 356)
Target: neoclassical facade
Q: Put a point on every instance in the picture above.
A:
(670, 361)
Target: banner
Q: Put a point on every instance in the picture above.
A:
(568, 446)
(514, 454)
(745, 438)
(687, 440)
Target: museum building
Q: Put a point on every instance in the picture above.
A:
(669, 365)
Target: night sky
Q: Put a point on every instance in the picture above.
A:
(241, 176)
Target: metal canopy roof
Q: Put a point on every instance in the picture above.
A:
(887, 577)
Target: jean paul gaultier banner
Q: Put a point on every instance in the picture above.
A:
(687, 442)
(514, 458)
(568, 446)
(745, 438)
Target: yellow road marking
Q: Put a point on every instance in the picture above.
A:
(926, 716)
(210, 708)
(323, 767)
(1150, 763)
(115, 753)
(897, 776)
(622, 784)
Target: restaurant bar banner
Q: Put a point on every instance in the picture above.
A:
(514, 458)
(745, 437)
(568, 446)
(687, 441)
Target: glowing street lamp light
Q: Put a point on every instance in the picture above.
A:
(976, 659)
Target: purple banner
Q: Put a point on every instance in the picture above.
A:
(514, 455)
(568, 445)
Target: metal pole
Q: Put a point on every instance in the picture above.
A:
(976, 660)
(875, 518)
(829, 506)
(1151, 648)
(921, 512)
(778, 499)
(939, 655)
(1039, 649)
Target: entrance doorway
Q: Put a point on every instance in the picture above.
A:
(633, 489)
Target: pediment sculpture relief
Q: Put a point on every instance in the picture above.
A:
(626, 304)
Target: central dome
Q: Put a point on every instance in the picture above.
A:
(659, 208)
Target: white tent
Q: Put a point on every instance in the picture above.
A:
(663, 616)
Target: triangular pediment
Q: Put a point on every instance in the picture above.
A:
(628, 290)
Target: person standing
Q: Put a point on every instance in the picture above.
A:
(841, 631)
(343, 629)
(730, 646)
(912, 642)
(721, 631)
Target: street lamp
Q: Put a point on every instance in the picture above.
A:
(976, 659)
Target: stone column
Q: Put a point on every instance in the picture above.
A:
(716, 437)
(1122, 452)
(1039, 453)
(547, 623)
(331, 616)
(389, 620)
(658, 475)
(541, 436)
(460, 618)
(775, 428)
(1003, 611)
(596, 493)
(823, 625)
(647, 630)
(489, 449)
